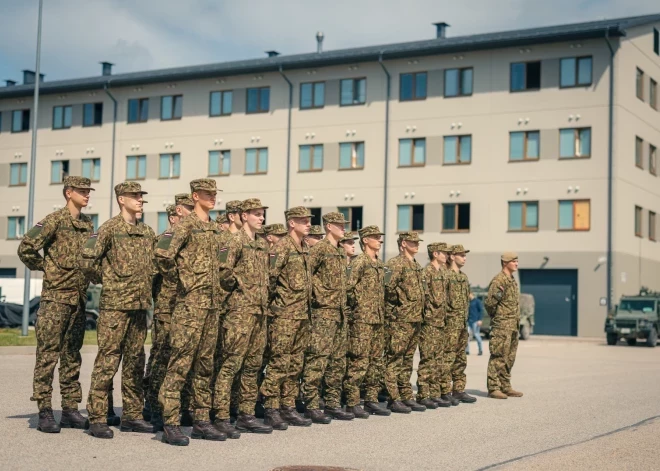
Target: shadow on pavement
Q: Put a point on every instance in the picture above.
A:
(476, 392)
(33, 419)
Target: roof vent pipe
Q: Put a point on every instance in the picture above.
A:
(441, 30)
(319, 42)
(106, 68)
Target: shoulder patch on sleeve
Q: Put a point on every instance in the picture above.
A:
(91, 242)
(222, 254)
(388, 275)
(273, 259)
(36, 230)
(165, 241)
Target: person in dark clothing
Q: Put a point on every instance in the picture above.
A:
(475, 315)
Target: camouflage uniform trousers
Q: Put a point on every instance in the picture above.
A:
(455, 359)
(325, 361)
(244, 342)
(288, 339)
(217, 361)
(400, 352)
(159, 358)
(366, 345)
(60, 330)
(503, 347)
(121, 336)
(431, 365)
(193, 338)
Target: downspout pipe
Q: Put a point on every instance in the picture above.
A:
(387, 147)
(288, 140)
(106, 88)
(610, 165)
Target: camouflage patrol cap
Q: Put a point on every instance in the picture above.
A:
(316, 231)
(128, 187)
(370, 231)
(349, 236)
(183, 199)
(509, 257)
(234, 206)
(456, 249)
(437, 247)
(275, 229)
(171, 210)
(81, 183)
(251, 203)
(203, 184)
(409, 236)
(334, 218)
(221, 218)
(297, 212)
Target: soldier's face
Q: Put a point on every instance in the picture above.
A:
(312, 240)
(337, 230)
(273, 239)
(512, 266)
(440, 256)
(132, 202)
(205, 198)
(301, 225)
(254, 218)
(460, 259)
(235, 218)
(174, 220)
(183, 210)
(373, 242)
(224, 226)
(79, 196)
(410, 247)
(349, 247)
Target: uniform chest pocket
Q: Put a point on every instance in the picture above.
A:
(132, 254)
(411, 285)
(204, 244)
(297, 272)
(69, 245)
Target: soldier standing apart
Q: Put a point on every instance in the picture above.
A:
(243, 274)
(289, 331)
(404, 293)
(432, 334)
(60, 325)
(503, 305)
(366, 335)
(458, 300)
(120, 257)
(326, 357)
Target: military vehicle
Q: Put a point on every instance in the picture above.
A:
(526, 313)
(92, 308)
(635, 318)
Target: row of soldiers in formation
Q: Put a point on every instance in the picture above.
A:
(245, 314)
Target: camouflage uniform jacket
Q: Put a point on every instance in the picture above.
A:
(120, 257)
(435, 307)
(329, 281)
(458, 295)
(61, 237)
(190, 254)
(404, 291)
(163, 292)
(503, 301)
(224, 239)
(244, 274)
(290, 280)
(366, 290)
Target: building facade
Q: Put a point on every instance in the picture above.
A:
(541, 141)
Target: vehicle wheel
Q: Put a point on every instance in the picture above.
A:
(612, 339)
(525, 332)
(631, 342)
(90, 324)
(652, 339)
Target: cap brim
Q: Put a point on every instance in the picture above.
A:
(250, 209)
(83, 188)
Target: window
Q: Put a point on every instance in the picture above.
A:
(574, 215)
(136, 167)
(523, 216)
(164, 222)
(458, 150)
(458, 82)
(18, 174)
(312, 95)
(15, 227)
(456, 217)
(353, 92)
(311, 158)
(639, 84)
(256, 161)
(410, 218)
(525, 76)
(171, 107)
(316, 215)
(170, 166)
(653, 160)
(353, 214)
(95, 221)
(638, 221)
(138, 110)
(20, 121)
(652, 225)
(220, 103)
(92, 114)
(575, 72)
(412, 86)
(412, 152)
(524, 145)
(58, 170)
(91, 168)
(656, 41)
(351, 155)
(653, 94)
(219, 162)
(258, 100)
(62, 117)
(574, 143)
(639, 152)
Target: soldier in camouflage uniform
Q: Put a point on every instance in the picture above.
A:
(315, 235)
(189, 255)
(432, 335)
(366, 334)
(60, 326)
(222, 220)
(120, 257)
(273, 233)
(326, 357)
(458, 302)
(404, 294)
(233, 211)
(502, 305)
(289, 331)
(243, 274)
(347, 242)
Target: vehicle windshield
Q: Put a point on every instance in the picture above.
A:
(644, 305)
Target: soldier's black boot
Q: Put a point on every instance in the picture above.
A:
(375, 408)
(358, 412)
(249, 423)
(71, 418)
(451, 399)
(227, 428)
(318, 416)
(157, 421)
(204, 430)
(272, 417)
(172, 434)
(147, 411)
(339, 414)
(321, 403)
(428, 403)
(441, 402)
(137, 425)
(100, 431)
(112, 419)
(291, 416)
(414, 405)
(464, 397)
(47, 422)
(186, 418)
(399, 407)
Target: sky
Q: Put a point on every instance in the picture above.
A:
(152, 34)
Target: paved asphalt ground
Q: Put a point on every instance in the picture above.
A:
(586, 406)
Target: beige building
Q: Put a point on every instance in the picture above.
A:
(518, 140)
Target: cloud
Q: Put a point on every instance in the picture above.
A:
(150, 34)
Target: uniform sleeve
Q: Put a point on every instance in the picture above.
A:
(93, 251)
(277, 260)
(495, 293)
(228, 258)
(357, 268)
(391, 293)
(34, 241)
(167, 249)
(316, 257)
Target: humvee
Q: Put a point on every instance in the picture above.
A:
(526, 313)
(635, 318)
